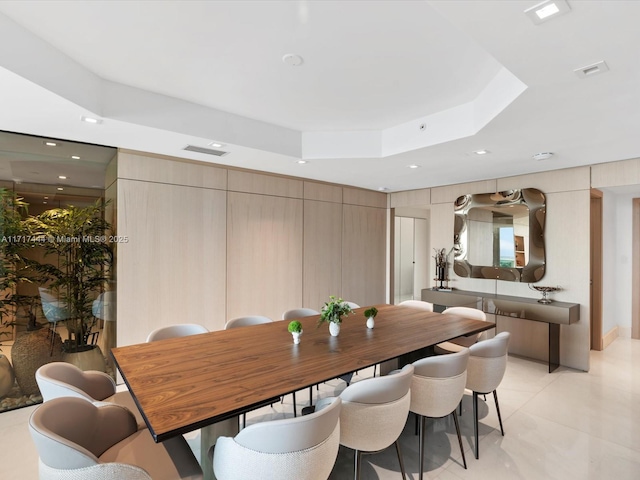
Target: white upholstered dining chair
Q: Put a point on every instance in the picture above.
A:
(76, 439)
(303, 448)
(177, 330)
(418, 304)
(460, 343)
(485, 371)
(297, 313)
(248, 321)
(436, 390)
(374, 413)
(62, 379)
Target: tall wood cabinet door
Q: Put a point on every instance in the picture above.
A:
(322, 252)
(264, 255)
(364, 254)
(171, 268)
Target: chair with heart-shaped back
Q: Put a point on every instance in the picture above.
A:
(76, 439)
(62, 379)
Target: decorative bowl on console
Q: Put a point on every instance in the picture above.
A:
(545, 291)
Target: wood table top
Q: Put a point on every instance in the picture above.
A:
(186, 383)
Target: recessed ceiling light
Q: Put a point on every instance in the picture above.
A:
(547, 10)
(60, 188)
(292, 60)
(302, 162)
(543, 155)
(413, 166)
(383, 189)
(216, 144)
(46, 198)
(51, 144)
(62, 177)
(481, 152)
(92, 120)
(44, 203)
(75, 157)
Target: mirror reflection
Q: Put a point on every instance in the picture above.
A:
(500, 235)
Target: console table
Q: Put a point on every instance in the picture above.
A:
(554, 314)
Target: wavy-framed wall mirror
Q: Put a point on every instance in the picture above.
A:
(500, 235)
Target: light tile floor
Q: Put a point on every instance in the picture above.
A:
(565, 425)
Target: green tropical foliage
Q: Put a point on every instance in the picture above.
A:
(13, 241)
(76, 239)
(334, 310)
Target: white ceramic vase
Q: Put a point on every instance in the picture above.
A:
(334, 329)
(296, 337)
(370, 322)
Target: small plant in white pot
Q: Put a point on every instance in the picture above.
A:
(295, 327)
(370, 314)
(332, 313)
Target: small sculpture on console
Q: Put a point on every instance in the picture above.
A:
(442, 270)
(545, 291)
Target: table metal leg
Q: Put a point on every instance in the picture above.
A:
(554, 346)
(208, 437)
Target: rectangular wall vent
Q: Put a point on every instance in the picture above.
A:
(593, 69)
(206, 151)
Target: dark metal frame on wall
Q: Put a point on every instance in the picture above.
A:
(534, 268)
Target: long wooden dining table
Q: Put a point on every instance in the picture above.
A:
(186, 383)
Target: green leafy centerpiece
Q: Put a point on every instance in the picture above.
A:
(332, 313)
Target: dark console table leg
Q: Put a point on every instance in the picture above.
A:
(554, 346)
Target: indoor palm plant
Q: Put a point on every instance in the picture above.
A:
(332, 313)
(13, 241)
(76, 238)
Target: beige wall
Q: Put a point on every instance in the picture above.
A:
(567, 222)
(207, 244)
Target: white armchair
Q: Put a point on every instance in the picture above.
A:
(436, 390)
(487, 365)
(249, 321)
(418, 304)
(61, 379)
(303, 448)
(460, 343)
(177, 330)
(76, 439)
(297, 313)
(374, 413)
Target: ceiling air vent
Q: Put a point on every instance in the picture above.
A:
(206, 151)
(593, 69)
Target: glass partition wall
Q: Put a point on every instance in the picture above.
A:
(41, 320)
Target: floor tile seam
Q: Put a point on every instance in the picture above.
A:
(578, 430)
(540, 391)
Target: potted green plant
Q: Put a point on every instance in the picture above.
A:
(332, 313)
(295, 328)
(370, 314)
(77, 239)
(31, 347)
(13, 241)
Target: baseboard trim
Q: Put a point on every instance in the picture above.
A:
(609, 337)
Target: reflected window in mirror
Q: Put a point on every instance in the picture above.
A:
(500, 235)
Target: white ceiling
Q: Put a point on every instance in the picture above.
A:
(476, 74)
